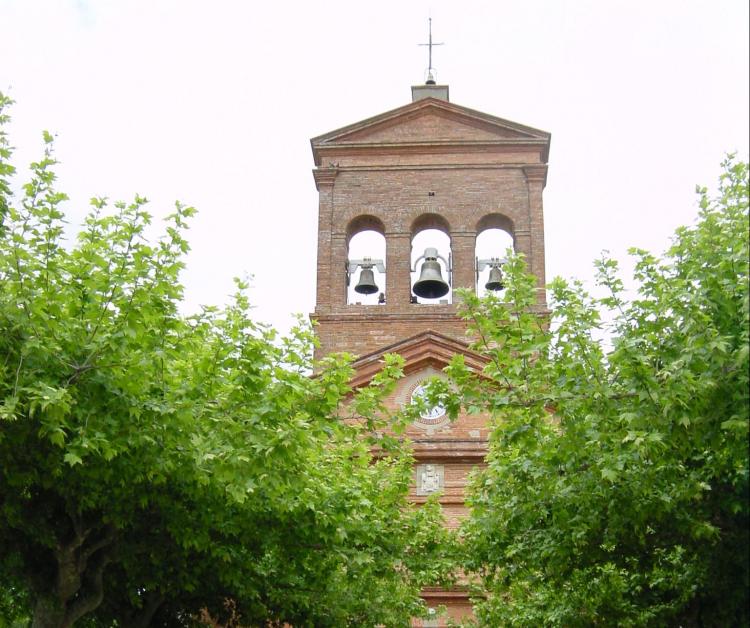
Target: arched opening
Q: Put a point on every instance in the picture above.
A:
(365, 270)
(431, 281)
(494, 241)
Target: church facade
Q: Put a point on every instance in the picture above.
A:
(428, 167)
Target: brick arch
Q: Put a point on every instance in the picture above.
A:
(364, 222)
(430, 221)
(496, 221)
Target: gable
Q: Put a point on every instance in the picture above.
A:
(430, 125)
(429, 120)
(435, 436)
(426, 349)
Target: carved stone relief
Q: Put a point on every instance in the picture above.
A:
(430, 478)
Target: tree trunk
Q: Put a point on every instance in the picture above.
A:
(142, 618)
(48, 612)
(78, 587)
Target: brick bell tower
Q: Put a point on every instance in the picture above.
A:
(427, 168)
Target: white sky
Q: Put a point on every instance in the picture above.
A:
(213, 103)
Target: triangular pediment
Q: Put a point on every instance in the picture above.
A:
(426, 349)
(430, 120)
(430, 124)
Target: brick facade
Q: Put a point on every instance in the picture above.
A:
(428, 164)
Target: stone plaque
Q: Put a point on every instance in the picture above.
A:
(432, 621)
(430, 478)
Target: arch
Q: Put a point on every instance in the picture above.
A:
(364, 222)
(430, 221)
(496, 221)
(365, 237)
(431, 231)
(495, 235)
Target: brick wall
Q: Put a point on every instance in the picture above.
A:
(457, 176)
(426, 165)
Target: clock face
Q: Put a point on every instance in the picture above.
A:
(432, 414)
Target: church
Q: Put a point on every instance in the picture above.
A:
(405, 199)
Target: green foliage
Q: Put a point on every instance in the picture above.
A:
(154, 464)
(616, 490)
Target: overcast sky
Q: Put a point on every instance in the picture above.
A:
(214, 103)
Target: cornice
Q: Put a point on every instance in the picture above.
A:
(462, 166)
(536, 173)
(441, 144)
(379, 313)
(446, 452)
(445, 147)
(450, 451)
(324, 177)
(456, 593)
(423, 312)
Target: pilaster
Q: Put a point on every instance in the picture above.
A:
(324, 181)
(463, 245)
(397, 268)
(536, 178)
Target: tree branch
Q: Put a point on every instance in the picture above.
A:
(91, 592)
(107, 539)
(142, 619)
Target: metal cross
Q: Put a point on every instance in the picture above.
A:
(430, 44)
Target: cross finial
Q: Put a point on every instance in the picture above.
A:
(430, 75)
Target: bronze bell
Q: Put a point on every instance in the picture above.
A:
(495, 280)
(430, 284)
(366, 284)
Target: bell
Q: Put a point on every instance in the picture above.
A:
(366, 283)
(495, 280)
(430, 284)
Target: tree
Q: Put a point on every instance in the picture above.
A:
(616, 487)
(154, 466)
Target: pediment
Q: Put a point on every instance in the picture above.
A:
(428, 349)
(430, 121)
(430, 125)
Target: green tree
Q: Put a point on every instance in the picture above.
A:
(155, 465)
(616, 487)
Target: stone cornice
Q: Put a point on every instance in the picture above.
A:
(450, 451)
(324, 176)
(460, 593)
(425, 313)
(536, 173)
(447, 451)
(464, 166)
(444, 147)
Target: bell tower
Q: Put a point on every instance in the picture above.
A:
(430, 165)
(428, 168)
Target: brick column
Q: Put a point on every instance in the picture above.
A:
(536, 178)
(338, 269)
(324, 180)
(522, 243)
(397, 268)
(463, 250)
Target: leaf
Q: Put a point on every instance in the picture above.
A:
(72, 459)
(609, 474)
